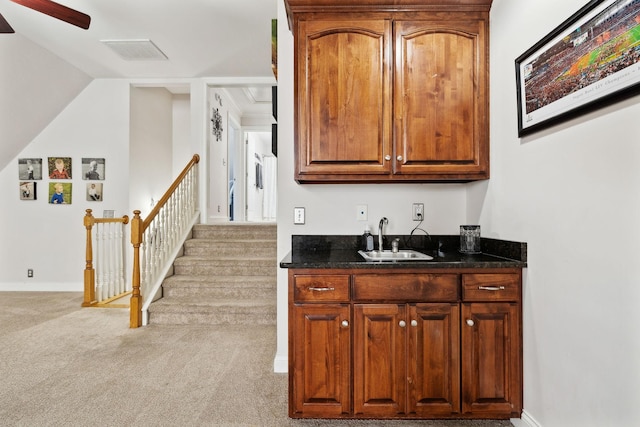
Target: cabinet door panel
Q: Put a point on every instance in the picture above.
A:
(440, 102)
(321, 360)
(343, 97)
(434, 359)
(379, 347)
(491, 371)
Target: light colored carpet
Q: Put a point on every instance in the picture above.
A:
(63, 365)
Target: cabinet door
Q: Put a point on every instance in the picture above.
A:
(440, 98)
(434, 360)
(379, 349)
(343, 101)
(491, 372)
(319, 372)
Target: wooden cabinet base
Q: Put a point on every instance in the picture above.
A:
(405, 344)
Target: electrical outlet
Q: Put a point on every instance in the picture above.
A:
(362, 213)
(298, 215)
(30, 272)
(418, 211)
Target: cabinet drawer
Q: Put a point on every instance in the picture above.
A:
(321, 288)
(491, 287)
(406, 287)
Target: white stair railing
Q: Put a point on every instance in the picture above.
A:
(107, 238)
(158, 239)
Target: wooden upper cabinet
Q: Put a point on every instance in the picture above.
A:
(390, 90)
(343, 104)
(440, 101)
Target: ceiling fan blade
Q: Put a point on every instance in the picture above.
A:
(58, 11)
(5, 28)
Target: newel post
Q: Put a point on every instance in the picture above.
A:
(89, 272)
(135, 319)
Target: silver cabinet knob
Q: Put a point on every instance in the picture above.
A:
(387, 157)
(402, 323)
(345, 323)
(414, 323)
(399, 158)
(470, 322)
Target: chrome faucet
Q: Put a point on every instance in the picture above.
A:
(382, 223)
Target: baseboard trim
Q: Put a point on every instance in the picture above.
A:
(280, 364)
(526, 420)
(42, 287)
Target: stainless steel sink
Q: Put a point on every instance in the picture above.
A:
(401, 255)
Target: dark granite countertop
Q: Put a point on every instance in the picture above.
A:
(333, 251)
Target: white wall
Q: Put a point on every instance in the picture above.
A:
(573, 193)
(218, 174)
(151, 148)
(50, 238)
(36, 86)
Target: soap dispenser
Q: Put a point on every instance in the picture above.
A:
(367, 239)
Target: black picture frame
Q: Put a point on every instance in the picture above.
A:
(589, 61)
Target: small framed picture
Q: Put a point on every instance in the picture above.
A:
(59, 167)
(29, 169)
(28, 190)
(92, 168)
(107, 213)
(94, 192)
(60, 193)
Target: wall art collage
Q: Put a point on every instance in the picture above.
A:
(59, 171)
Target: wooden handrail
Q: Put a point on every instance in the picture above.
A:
(138, 228)
(163, 200)
(89, 271)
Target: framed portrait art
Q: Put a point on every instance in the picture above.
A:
(590, 60)
(30, 169)
(92, 168)
(59, 167)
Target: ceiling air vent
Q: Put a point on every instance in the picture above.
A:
(136, 50)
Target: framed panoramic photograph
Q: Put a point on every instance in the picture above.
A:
(59, 167)
(92, 168)
(30, 169)
(60, 193)
(28, 190)
(591, 60)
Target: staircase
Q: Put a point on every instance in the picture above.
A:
(227, 275)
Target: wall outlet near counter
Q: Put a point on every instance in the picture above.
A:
(418, 211)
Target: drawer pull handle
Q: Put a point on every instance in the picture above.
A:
(491, 288)
(345, 323)
(414, 323)
(470, 322)
(402, 323)
(313, 288)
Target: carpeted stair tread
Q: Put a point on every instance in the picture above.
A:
(226, 275)
(237, 281)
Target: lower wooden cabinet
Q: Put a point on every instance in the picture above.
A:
(319, 380)
(426, 345)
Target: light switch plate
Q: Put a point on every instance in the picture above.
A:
(298, 215)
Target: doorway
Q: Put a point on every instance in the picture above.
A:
(252, 179)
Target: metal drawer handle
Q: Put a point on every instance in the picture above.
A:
(345, 323)
(491, 288)
(402, 323)
(322, 289)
